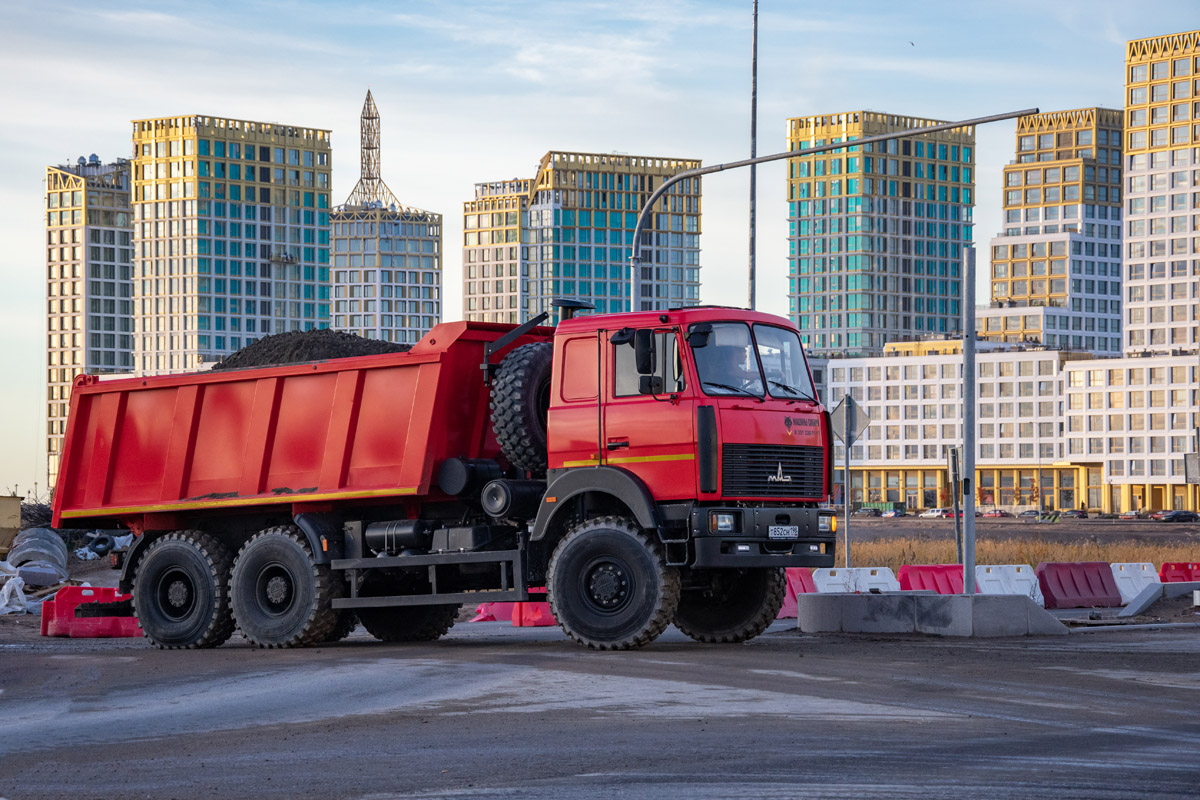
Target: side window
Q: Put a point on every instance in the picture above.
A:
(668, 367)
(579, 370)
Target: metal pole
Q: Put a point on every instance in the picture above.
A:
(955, 509)
(846, 478)
(968, 396)
(635, 255)
(753, 146)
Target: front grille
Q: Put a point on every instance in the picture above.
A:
(753, 470)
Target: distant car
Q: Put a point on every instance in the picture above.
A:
(1029, 513)
(1175, 516)
(1073, 513)
(934, 513)
(997, 512)
(867, 511)
(895, 512)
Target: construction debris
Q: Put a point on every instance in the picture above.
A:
(294, 347)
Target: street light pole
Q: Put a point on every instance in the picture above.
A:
(753, 147)
(968, 396)
(635, 253)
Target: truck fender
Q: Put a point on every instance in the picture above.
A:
(613, 481)
(136, 551)
(323, 533)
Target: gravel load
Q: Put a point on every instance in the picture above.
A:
(294, 347)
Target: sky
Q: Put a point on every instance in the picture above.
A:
(470, 92)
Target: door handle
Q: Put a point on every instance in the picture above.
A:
(617, 444)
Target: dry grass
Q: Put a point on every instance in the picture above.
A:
(899, 551)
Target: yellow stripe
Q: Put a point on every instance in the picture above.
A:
(591, 462)
(239, 501)
(647, 459)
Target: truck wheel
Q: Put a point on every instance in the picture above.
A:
(735, 606)
(520, 401)
(609, 587)
(180, 591)
(347, 621)
(280, 597)
(409, 623)
(404, 623)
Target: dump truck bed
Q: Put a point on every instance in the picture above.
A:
(309, 435)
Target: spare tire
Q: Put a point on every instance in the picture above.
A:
(45, 535)
(520, 401)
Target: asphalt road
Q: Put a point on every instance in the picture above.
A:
(496, 712)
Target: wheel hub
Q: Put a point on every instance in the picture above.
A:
(608, 585)
(277, 590)
(178, 593)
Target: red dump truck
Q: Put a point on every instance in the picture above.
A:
(645, 468)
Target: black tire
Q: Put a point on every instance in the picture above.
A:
(45, 535)
(347, 621)
(280, 597)
(735, 606)
(181, 592)
(404, 623)
(520, 401)
(609, 587)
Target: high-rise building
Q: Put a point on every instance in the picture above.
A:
(231, 236)
(877, 231)
(89, 263)
(568, 233)
(387, 278)
(1056, 268)
(1162, 195)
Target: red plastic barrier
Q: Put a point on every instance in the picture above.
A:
(493, 612)
(940, 578)
(1089, 584)
(532, 615)
(1179, 572)
(58, 615)
(799, 581)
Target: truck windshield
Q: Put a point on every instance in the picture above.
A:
(726, 362)
(783, 361)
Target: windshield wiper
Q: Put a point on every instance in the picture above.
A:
(731, 388)
(792, 389)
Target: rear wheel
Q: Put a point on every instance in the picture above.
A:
(609, 587)
(731, 605)
(404, 623)
(280, 597)
(180, 591)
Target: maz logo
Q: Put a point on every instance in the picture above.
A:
(779, 477)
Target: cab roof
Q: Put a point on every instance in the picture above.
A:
(675, 316)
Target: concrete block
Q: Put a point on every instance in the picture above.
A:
(1173, 590)
(944, 615)
(879, 613)
(1147, 597)
(819, 613)
(1040, 621)
(1000, 615)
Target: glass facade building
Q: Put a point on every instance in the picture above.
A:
(231, 236)
(89, 284)
(876, 231)
(568, 232)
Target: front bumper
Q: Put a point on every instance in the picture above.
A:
(751, 543)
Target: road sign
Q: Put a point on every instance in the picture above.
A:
(849, 411)
(1191, 468)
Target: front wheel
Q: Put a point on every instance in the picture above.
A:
(609, 587)
(280, 597)
(731, 605)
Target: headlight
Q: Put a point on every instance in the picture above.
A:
(827, 524)
(722, 522)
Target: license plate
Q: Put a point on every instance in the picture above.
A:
(783, 532)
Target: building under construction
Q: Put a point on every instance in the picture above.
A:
(387, 275)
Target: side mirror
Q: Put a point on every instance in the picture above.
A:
(644, 351)
(650, 384)
(698, 334)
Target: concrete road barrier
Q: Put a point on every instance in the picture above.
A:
(1132, 578)
(931, 614)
